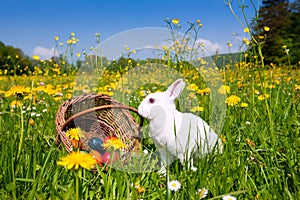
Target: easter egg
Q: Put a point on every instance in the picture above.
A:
(107, 138)
(109, 157)
(97, 156)
(95, 143)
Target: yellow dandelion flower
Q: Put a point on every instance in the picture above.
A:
(243, 105)
(246, 41)
(142, 93)
(246, 30)
(138, 188)
(15, 103)
(192, 95)
(35, 57)
(204, 91)
(175, 21)
(233, 100)
(192, 87)
(266, 28)
(17, 90)
(251, 143)
(224, 89)
(256, 91)
(78, 55)
(297, 87)
(164, 47)
(74, 40)
(74, 133)
(56, 38)
(229, 44)
(223, 138)
(69, 95)
(57, 98)
(271, 86)
(126, 48)
(197, 109)
(263, 97)
(78, 159)
(114, 143)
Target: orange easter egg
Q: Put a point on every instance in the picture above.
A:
(97, 156)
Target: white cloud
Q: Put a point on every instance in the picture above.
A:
(209, 46)
(44, 53)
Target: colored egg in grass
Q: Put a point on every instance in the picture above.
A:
(96, 143)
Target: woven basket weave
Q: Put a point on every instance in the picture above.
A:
(98, 115)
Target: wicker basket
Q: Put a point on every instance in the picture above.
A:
(98, 115)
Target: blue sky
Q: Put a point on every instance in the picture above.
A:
(32, 24)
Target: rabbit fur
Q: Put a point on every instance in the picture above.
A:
(176, 134)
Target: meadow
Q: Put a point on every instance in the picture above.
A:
(259, 131)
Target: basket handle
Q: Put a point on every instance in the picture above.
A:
(100, 108)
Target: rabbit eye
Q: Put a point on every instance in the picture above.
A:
(151, 100)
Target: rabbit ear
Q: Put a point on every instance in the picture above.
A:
(175, 89)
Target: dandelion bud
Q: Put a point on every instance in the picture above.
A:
(35, 57)
(31, 122)
(246, 30)
(175, 21)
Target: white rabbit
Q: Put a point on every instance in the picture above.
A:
(174, 133)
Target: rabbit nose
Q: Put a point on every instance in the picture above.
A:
(142, 112)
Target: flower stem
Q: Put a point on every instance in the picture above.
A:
(77, 184)
(21, 132)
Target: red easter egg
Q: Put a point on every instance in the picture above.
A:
(107, 138)
(109, 157)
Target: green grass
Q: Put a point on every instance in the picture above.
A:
(260, 158)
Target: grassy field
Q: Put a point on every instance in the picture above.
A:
(255, 110)
(260, 134)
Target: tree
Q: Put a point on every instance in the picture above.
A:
(12, 60)
(295, 31)
(283, 19)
